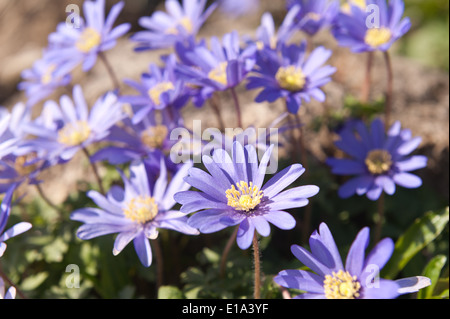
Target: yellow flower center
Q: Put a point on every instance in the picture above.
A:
(186, 23)
(360, 3)
(88, 40)
(376, 37)
(141, 209)
(291, 78)
(20, 164)
(155, 92)
(155, 136)
(47, 77)
(313, 16)
(378, 161)
(219, 74)
(341, 285)
(74, 133)
(245, 197)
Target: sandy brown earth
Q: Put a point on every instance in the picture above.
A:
(421, 94)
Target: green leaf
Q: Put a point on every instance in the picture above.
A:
(417, 237)
(34, 281)
(169, 292)
(432, 271)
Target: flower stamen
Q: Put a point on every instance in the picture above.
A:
(155, 92)
(141, 209)
(378, 161)
(89, 39)
(376, 37)
(155, 136)
(185, 22)
(291, 78)
(73, 134)
(246, 197)
(219, 74)
(341, 285)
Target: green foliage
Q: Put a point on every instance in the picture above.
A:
(417, 237)
(433, 271)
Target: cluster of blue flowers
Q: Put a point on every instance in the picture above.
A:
(134, 130)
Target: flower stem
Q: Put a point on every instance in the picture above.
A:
(95, 170)
(237, 107)
(9, 281)
(389, 89)
(304, 162)
(226, 251)
(215, 106)
(45, 198)
(365, 92)
(159, 264)
(380, 220)
(256, 255)
(112, 74)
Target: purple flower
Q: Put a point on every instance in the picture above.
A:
(18, 163)
(329, 279)
(158, 89)
(233, 194)
(10, 293)
(236, 8)
(5, 211)
(149, 139)
(371, 29)
(315, 15)
(379, 160)
(179, 23)
(222, 67)
(43, 79)
(62, 130)
(136, 211)
(75, 45)
(268, 37)
(291, 76)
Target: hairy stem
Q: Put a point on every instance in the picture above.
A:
(112, 74)
(159, 264)
(380, 221)
(226, 251)
(237, 107)
(215, 106)
(257, 262)
(9, 281)
(365, 91)
(389, 89)
(46, 199)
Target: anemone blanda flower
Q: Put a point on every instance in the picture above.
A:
(290, 75)
(268, 37)
(379, 160)
(315, 15)
(158, 89)
(149, 139)
(62, 130)
(10, 293)
(136, 211)
(361, 32)
(359, 278)
(18, 163)
(74, 45)
(42, 79)
(233, 194)
(222, 67)
(180, 23)
(5, 211)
